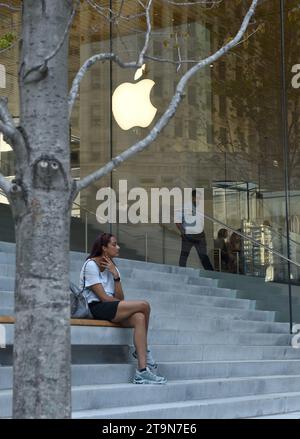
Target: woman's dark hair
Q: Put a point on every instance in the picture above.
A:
(101, 240)
(222, 233)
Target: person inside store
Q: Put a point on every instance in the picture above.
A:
(188, 240)
(234, 253)
(221, 246)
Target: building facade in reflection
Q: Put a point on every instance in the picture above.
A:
(227, 136)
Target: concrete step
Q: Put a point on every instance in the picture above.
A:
(7, 256)
(167, 297)
(153, 287)
(278, 302)
(122, 373)
(220, 352)
(105, 353)
(158, 287)
(129, 264)
(183, 322)
(292, 415)
(221, 408)
(212, 345)
(96, 374)
(90, 336)
(270, 298)
(179, 297)
(7, 283)
(166, 321)
(101, 354)
(236, 280)
(185, 279)
(7, 247)
(9, 270)
(193, 311)
(116, 395)
(140, 278)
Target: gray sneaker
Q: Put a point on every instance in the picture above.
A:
(147, 377)
(151, 363)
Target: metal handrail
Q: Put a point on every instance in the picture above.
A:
(276, 232)
(94, 214)
(210, 218)
(249, 238)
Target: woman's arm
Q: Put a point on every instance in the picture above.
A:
(110, 265)
(99, 291)
(119, 294)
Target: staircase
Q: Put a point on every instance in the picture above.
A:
(223, 357)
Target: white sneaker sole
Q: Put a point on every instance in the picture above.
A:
(149, 382)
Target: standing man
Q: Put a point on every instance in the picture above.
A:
(189, 240)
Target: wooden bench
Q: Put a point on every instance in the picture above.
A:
(74, 322)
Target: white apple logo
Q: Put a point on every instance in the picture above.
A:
(131, 104)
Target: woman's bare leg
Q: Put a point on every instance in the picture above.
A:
(127, 308)
(137, 321)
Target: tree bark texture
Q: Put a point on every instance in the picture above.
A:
(41, 209)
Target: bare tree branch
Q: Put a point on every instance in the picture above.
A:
(41, 68)
(5, 185)
(105, 12)
(7, 131)
(148, 34)
(120, 9)
(5, 115)
(209, 4)
(61, 43)
(169, 113)
(191, 61)
(87, 65)
(12, 135)
(171, 61)
(110, 15)
(7, 127)
(10, 7)
(178, 53)
(111, 56)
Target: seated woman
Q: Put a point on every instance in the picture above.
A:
(101, 281)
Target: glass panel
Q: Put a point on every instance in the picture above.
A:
(226, 137)
(291, 62)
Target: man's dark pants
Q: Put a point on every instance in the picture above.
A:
(199, 242)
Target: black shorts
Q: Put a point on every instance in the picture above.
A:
(104, 310)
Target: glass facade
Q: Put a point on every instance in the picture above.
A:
(235, 134)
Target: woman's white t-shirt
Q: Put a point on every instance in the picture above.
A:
(94, 276)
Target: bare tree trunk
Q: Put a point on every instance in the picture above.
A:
(42, 215)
